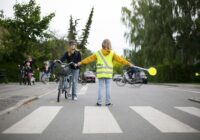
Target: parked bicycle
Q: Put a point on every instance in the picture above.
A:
(136, 79)
(64, 77)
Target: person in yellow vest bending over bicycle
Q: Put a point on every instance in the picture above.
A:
(104, 68)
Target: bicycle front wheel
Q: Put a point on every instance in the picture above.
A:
(121, 82)
(68, 87)
(60, 87)
(66, 95)
(59, 93)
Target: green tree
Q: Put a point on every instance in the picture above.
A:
(85, 33)
(82, 40)
(25, 30)
(164, 31)
(72, 32)
(187, 27)
(52, 49)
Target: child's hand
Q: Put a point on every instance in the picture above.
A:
(131, 65)
(78, 64)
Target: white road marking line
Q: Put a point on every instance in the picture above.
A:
(83, 90)
(162, 121)
(99, 120)
(191, 110)
(184, 90)
(36, 122)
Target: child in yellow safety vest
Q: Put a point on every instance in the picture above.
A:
(104, 68)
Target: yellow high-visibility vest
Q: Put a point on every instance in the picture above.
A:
(104, 65)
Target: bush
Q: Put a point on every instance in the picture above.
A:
(176, 73)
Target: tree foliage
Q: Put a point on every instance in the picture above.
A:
(25, 30)
(28, 34)
(72, 32)
(83, 39)
(86, 31)
(164, 31)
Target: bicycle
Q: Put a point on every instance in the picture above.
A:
(21, 75)
(135, 80)
(81, 80)
(64, 78)
(24, 77)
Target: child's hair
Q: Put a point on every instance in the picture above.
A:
(46, 63)
(106, 44)
(72, 45)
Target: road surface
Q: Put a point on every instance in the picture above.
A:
(151, 112)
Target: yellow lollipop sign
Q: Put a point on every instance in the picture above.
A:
(152, 71)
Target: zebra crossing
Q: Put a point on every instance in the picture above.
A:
(36, 122)
(162, 121)
(100, 120)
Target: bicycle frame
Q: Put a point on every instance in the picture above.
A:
(65, 83)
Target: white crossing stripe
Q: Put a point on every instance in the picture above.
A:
(162, 121)
(191, 110)
(99, 120)
(83, 90)
(36, 122)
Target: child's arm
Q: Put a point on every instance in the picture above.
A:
(88, 59)
(121, 60)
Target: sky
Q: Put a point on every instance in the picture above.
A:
(106, 19)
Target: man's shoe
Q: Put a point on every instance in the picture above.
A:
(98, 104)
(109, 104)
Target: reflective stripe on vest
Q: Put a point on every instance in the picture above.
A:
(104, 65)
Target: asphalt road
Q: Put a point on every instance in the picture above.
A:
(151, 112)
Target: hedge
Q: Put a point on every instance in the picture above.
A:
(176, 73)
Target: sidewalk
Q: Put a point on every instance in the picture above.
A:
(14, 95)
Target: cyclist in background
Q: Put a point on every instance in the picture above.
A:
(131, 70)
(31, 61)
(27, 67)
(46, 72)
(28, 72)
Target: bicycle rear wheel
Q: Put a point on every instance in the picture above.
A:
(136, 82)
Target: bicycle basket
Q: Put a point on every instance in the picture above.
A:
(62, 70)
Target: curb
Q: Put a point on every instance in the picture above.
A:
(195, 100)
(181, 85)
(25, 101)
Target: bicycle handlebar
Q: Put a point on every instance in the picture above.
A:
(66, 64)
